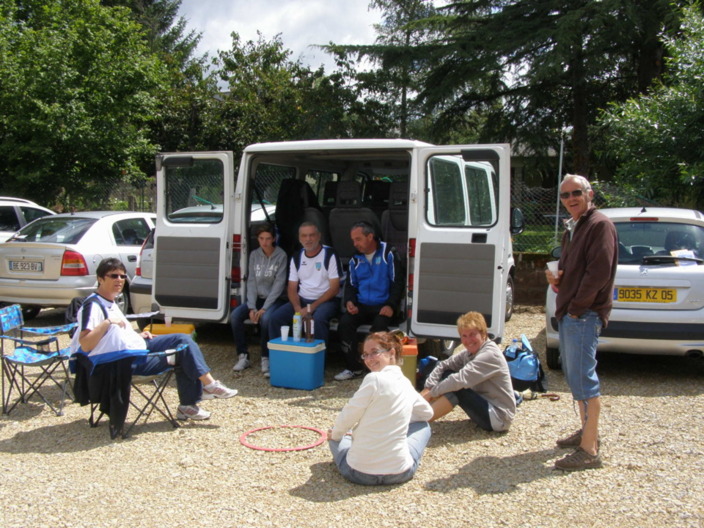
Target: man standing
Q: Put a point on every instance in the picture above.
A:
(313, 285)
(585, 280)
(372, 291)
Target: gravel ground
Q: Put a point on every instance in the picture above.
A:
(57, 472)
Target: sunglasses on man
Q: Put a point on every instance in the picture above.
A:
(575, 194)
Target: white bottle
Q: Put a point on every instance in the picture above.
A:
(297, 324)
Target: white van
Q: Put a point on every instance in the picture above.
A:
(445, 208)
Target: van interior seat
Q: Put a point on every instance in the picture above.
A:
(296, 203)
(394, 221)
(347, 212)
(376, 196)
(329, 197)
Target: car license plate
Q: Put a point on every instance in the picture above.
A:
(646, 295)
(23, 265)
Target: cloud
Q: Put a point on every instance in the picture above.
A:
(301, 23)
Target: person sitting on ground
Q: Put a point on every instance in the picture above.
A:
(477, 379)
(266, 280)
(313, 285)
(388, 420)
(373, 289)
(97, 334)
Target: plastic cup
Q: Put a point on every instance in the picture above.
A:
(284, 333)
(552, 266)
(167, 320)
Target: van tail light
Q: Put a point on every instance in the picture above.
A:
(73, 264)
(411, 248)
(138, 270)
(236, 271)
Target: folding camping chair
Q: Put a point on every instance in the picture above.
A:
(30, 363)
(91, 372)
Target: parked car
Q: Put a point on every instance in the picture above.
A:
(659, 288)
(16, 213)
(52, 260)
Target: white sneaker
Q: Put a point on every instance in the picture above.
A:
(348, 375)
(191, 412)
(242, 363)
(265, 367)
(217, 390)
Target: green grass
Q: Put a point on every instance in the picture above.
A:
(537, 239)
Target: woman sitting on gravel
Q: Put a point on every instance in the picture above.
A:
(477, 379)
(387, 419)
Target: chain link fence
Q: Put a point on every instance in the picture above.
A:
(544, 214)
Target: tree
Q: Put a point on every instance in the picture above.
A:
(657, 138)
(76, 84)
(527, 68)
(400, 65)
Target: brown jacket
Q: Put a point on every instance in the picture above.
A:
(589, 262)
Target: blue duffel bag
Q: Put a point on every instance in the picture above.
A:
(524, 366)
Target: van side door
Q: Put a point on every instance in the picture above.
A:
(193, 236)
(459, 262)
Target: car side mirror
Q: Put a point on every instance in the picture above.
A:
(517, 221)
(556, 252)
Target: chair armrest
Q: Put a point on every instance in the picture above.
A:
(50, 330)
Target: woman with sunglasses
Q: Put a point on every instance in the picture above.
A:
(380, 435)
(105, 330)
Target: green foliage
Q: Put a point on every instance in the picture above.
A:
(657, 138)
(76, 92)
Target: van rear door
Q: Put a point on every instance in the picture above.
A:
(193, 236)
(459, 262)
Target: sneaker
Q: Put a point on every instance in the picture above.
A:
(578, 460)
(348, 375)
(265, 367)
(242, 363)
(191, 412)
(217, 390)
(572, 440)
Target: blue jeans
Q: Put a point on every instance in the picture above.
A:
(474, 405)
(321, 318)
(418, 437)
(190, 365)
(578, 340)
(241, 314)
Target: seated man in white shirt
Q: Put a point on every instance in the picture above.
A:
(104, 329)
(313, 285)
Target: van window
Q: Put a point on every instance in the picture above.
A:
(480, 189)
(194, 193)
(446, 196)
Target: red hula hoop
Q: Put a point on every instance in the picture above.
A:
(244, 442)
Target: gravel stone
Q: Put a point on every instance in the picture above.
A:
(59, 472)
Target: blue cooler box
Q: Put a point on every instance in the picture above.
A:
(297, 364)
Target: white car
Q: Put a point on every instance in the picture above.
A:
(659, 288)
(52, 260)
(16, 213)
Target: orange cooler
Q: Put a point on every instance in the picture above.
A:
(410, 360)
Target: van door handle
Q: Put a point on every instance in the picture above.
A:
(132, 258)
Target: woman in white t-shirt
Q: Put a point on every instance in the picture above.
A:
(387, 420)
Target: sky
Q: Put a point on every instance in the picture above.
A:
(301, 23)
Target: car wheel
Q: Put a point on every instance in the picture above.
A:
(123, 301)
(552, 355)
(509, 299)
(29, 311)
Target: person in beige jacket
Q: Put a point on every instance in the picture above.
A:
(477, 379)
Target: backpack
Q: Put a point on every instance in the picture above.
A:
(524, 366)
(75, 305)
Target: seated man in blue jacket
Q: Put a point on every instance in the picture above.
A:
(372, 293)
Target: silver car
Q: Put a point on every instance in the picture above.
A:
(17, 212)
(52, 260)
(658, 294)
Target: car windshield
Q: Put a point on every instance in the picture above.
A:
(643, 239)
(66, 230)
